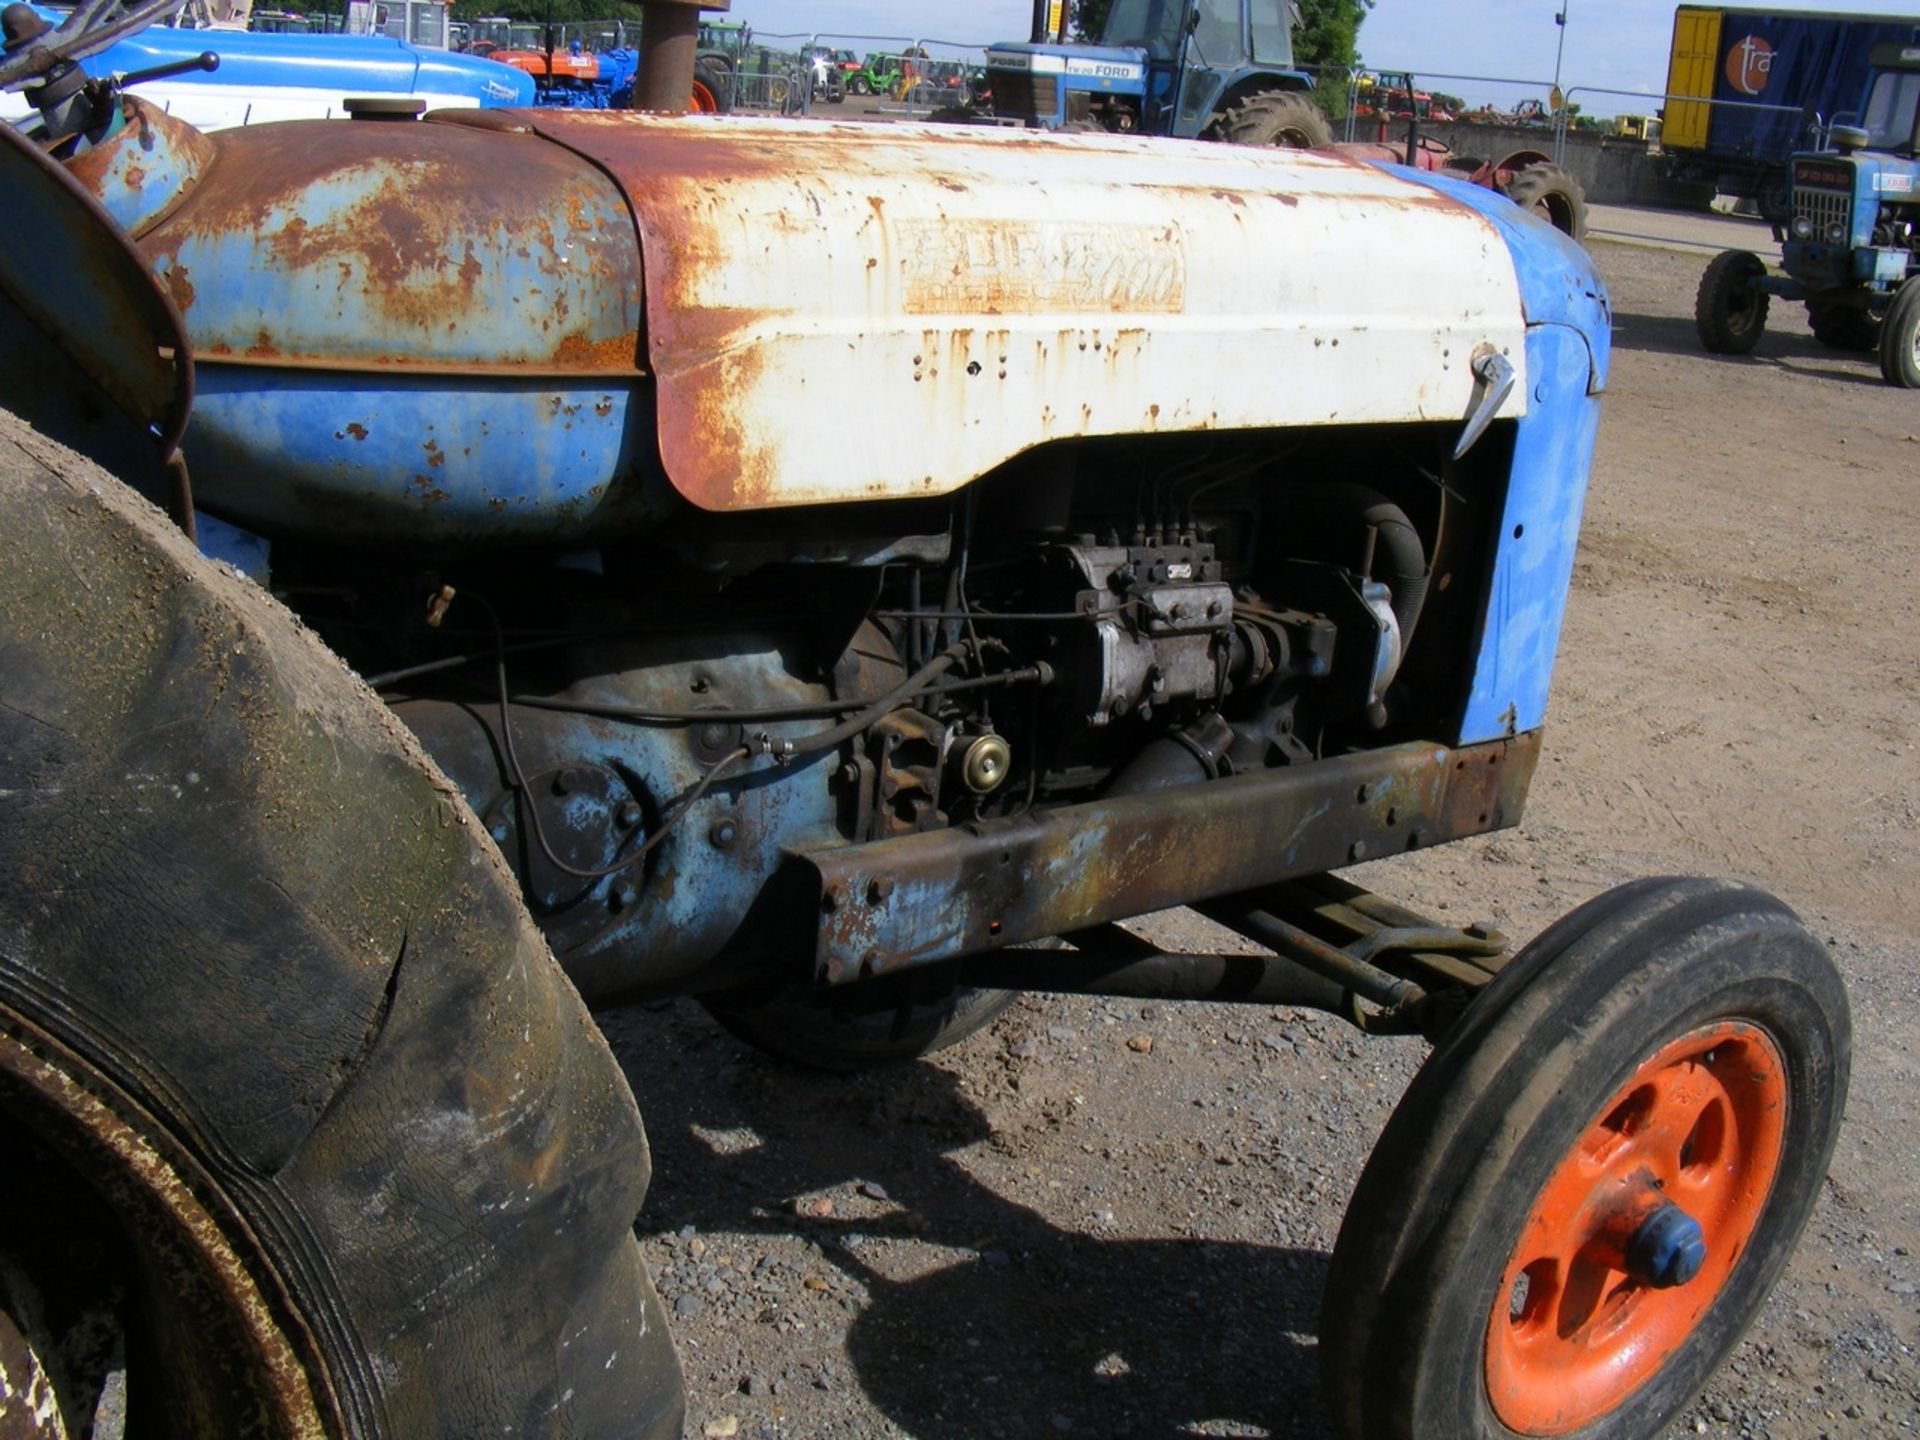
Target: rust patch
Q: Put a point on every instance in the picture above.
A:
(179, 286)
(356, 430)
(388, 236)
(622, 352)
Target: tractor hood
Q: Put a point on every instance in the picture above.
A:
(963, 295)
(1121, 64)
(507, 325)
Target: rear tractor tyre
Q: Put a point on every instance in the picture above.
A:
(1900, 339)
(1594, 1182)
(1729, 310)
(1553, 193)
(877, 1022)
(305, 1132)
(1840, 326)
(1275, 117)
(717, 80)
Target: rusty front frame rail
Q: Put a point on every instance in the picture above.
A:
(921, 899)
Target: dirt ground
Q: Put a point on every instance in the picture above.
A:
(1046, 1232)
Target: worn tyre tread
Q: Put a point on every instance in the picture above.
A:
(1482, 1090)
(1900, 339)
(237, 887)
(1554, 193)
(1730, 317)
(1275, 117)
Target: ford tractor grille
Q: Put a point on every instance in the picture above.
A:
(1823, 210)
(1024, 94)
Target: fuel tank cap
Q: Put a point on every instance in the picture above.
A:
(385, 107)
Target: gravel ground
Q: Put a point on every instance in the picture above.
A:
(1106, 1218)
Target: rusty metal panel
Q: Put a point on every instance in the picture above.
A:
(403, 246)
(947, 893)
(413, 332)
(978, 293)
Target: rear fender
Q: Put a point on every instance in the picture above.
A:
(92, 352)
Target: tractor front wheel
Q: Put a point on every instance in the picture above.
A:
(1730, 311)
(1275, 117)
(1900, 339)
(1553, 193)
(1592, 1185)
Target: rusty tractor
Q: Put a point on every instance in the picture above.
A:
(438, 609)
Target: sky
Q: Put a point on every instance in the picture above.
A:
(1611, 45)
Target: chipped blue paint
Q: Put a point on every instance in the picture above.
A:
(362, 457)
(242, 549)
(1569, 340)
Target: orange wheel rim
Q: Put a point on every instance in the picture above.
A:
(1580, 1321)
(701, 102)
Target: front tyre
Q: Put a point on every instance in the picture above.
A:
(1730, 310)
(1594, 1182)
(1275, 117)
(305, 1132)
(1900, 339)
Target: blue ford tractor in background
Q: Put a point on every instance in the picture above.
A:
(1852, 245)
(1185, 68)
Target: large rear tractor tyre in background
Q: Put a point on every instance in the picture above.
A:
(1275, 117)
(1900, 339)
(1839, 326)
(1555, 194)
(717, 80)
(878, 1022)
(305, 1132)
(1590, 1188)
(1729, 311)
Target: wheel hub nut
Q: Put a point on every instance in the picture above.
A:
(1667, 1249)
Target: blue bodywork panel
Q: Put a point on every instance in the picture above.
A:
(1870, 180)
(509, 461)
(351, 64)
(1173, 100)
(1569, 340)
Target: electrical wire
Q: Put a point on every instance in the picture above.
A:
(517, 775)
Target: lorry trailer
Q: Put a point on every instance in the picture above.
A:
(1748, 87)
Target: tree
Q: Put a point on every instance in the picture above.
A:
(1327, 39)
(1089, 18)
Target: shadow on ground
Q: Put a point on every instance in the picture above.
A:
(1012, 1326)
(1784, 349)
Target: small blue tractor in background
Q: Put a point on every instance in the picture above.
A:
(1852, 244)
(1184, 68)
